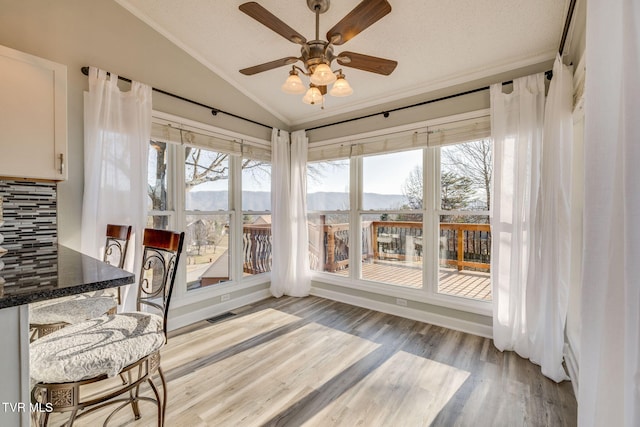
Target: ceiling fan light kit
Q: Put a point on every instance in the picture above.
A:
(317, 55)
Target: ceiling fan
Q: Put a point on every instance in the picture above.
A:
(317, 55)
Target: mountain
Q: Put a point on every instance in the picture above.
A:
(261, 201)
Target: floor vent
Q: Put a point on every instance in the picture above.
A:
(220, 318)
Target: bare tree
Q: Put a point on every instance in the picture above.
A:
(200, 166)
(215, 234)
(412, 188)
(473, 160)
(198, 233)
(316, 171)
(208, 166)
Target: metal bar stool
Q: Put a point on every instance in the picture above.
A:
(49, 316)
(125, 344)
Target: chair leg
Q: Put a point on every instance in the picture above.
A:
(133, 395)
(155, 392)
(40, 419)
(72, 418)
(134, 402)
(164, 392)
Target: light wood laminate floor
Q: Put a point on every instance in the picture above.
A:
(315, 362)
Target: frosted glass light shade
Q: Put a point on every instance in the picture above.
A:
(293, 85)
(341, 88)
(322, 75)
(313, 96)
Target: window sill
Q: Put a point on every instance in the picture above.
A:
(484, 308)
(209, 292)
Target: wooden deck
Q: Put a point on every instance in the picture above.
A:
(466, 284)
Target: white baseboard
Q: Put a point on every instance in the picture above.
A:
(571, 360)
(409, 313)
(216, 309)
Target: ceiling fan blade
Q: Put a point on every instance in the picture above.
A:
(356, 21)
(372, 64)
(269, 65)
(271, 21)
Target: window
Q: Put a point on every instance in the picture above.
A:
(408, 213)
(392, 218)
(464, 231)
(256, 217)
(208, 218)
(327, 202)
(198, 180)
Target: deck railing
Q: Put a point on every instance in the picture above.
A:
(256, 248)
(465, 245)
(462, 245)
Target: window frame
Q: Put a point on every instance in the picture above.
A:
(178, 213)
(428, 293)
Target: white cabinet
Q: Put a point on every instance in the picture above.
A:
(33, 117)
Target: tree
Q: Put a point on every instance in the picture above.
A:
(200, 166)
(197, 234)
(455, 190)
(216, 232)
(473, 160)
(412, 188)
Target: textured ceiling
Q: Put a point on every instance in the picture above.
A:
(437, 44)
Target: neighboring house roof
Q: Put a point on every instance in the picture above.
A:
(262, 219)
(219, 268)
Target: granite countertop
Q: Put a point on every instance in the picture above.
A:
(46, 272)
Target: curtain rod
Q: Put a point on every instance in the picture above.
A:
(549, 75)
(214, 111)
(567, 24)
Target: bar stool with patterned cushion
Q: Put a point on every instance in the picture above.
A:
(65, 362)
(49, 316)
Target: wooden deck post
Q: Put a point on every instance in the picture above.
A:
(374, 240)
(331, 248)
(460, 248)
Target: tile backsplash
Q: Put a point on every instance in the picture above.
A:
(29, 231)
(29, 214)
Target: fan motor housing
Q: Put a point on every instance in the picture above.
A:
(316, 52)
(318, 5)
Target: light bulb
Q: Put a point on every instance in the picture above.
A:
(313, 96)
(322, 75)
(293, 84)
(341, 87)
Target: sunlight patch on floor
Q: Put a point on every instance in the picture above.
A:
(406, 387)
(256, 383)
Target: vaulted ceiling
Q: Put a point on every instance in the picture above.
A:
(437, 44)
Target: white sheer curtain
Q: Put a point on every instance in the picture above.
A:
(290, 274)
(117, 129)
(548, 281)
(609, 378)
(516, 125)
